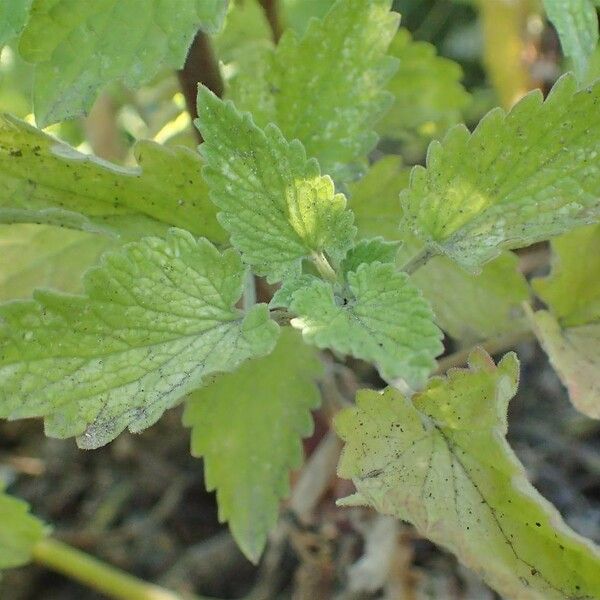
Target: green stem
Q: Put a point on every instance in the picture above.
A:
(249, 291)
(418, 260)
(491, 346)
(326, 271)
(98, 575)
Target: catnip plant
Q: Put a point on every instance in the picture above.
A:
(359, 254)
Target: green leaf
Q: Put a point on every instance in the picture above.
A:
(572, 291)
(468, 307)
(379, 317)
(157, 318)
(327, 87)
(575, 355)
(79, 47)
(428, 95)
(369, 251)
(276, 205)
(375, 201)
(441, 462)
(518, 179)
(248, 427)
(19, 533)
(43, 180)
(13, 16)
(35, 256)
(577, 24)
(297, 14)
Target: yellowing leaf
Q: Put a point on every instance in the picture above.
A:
(379, 316)
(441, 462)
(40, 256)
(248, 427)
(157, 318)
(575, 354)
(19, 533)
(519, 178)
(573, 289)
(43, 180)
(275, 203)
(79, 47)
(570, 333)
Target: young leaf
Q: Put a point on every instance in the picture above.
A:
(248, 425)
(369, 251)
(441, 462)
(43, 180)
(381, 317)
(19, 533)
(79, 47)
(297, 14)
(327, 87)
(575, 355)
(35, 256)
(519, 178)
(276, 205)
(577, 24)
(572, 290)
(428, 95)
(13, 16)
(157, 318)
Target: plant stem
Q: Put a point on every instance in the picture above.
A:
(98, 575)
(326, 271)
(249, 291)
(491, 346)
(201, 66)
(271, 8)
(418, 260)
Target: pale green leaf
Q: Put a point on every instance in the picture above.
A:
(375, 201)
(327, 87)
(156, 319)
(368, 251)
(428, 95)
(468, 307)
(43, 180)
(41, 256)
(577, 24)
(379, 317)
(297, 14)
(572, 291)
(19, 533)
(518, 179)
(79, 47)
(441, 462)
(13, 16)
(248, 427)
(275, 203)
(575, 355)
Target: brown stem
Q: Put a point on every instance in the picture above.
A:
(201, 66)
(271, 8)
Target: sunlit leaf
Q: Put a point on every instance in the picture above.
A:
(156, 319)
(441, 462)
(275, 203)
(519, 178)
